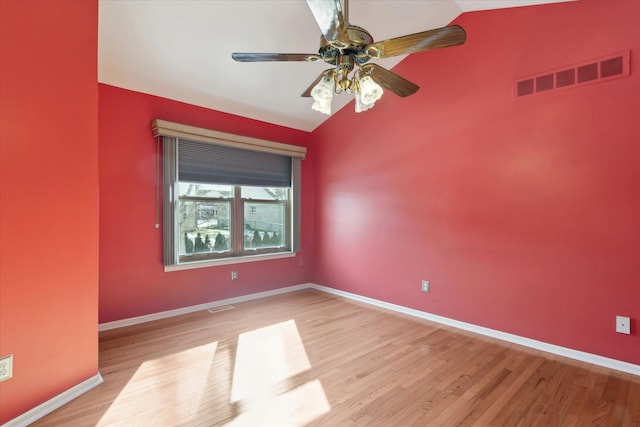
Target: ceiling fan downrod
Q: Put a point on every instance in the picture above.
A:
(346, 12)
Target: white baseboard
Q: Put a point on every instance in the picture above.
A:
(54, 403)
(192, 309)
(594, 359)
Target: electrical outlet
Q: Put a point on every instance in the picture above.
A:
(234, 275)
(6, 367)
(425, 286)
(623, 325)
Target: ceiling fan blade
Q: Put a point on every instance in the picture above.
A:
(307, 93)
(389, 80)
(330, 19)
(427, 40)
(261, 57)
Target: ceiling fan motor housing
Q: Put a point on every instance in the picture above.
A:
(359, 39)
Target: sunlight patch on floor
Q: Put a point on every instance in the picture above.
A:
(264, 384)
(294, 408)
(266, 357)
(262, 379)
(179, 379)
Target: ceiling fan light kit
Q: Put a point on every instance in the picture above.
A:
(348, 48)
(366, 91)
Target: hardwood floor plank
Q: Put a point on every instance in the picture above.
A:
(632, 405)
(308, 358)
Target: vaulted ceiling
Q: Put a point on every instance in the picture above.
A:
(181, 49)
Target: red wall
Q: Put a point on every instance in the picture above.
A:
(48, 198)
(132, 279)
(523, 214)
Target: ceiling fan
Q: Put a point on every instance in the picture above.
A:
(348, 47)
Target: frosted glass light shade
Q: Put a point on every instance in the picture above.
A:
(322, 94)
(360, 106)
(370, 91)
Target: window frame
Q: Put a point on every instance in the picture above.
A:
(237, 206)
(171, 133)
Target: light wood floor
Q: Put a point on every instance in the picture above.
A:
(309, 358)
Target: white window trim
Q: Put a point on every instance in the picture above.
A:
(228, 261)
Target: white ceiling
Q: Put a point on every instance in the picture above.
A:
(181, 49)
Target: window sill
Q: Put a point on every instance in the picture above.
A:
(227, 261)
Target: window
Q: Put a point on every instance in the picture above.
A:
(227, 198)
(207, 223)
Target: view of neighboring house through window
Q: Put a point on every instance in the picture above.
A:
(206, 223)
(225, 202)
